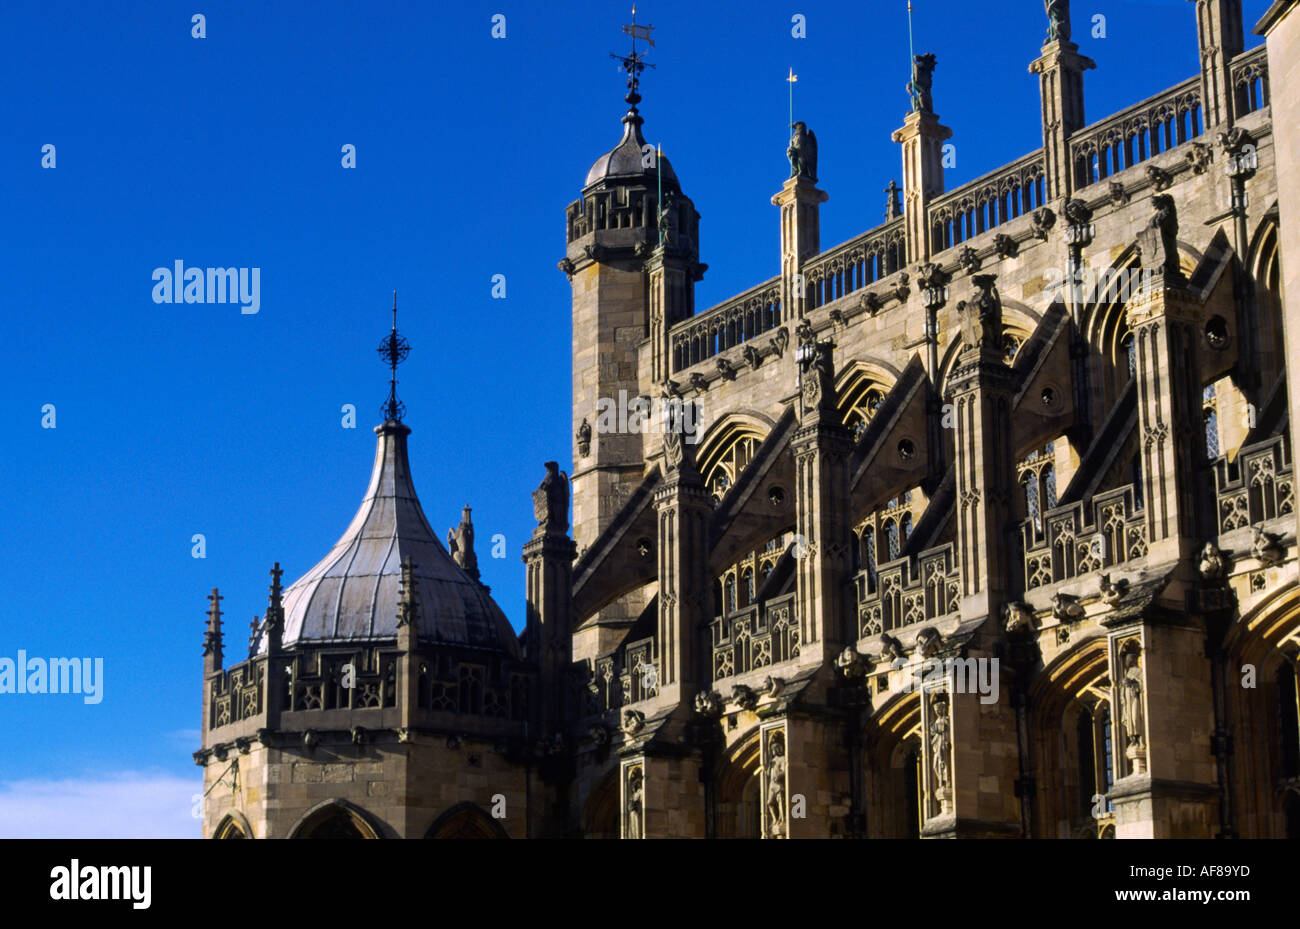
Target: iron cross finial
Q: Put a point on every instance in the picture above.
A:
(394, 350)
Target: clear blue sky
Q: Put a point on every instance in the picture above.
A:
(225, 151)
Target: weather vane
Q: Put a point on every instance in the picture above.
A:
(394, 350)
(634, 63)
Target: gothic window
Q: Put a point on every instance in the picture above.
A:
(471, 689)
(729, 593)
(1038, 478)
(1030, 482)
(905, 525)
(1087, 763)
(1130, 353)
(891, 536)
(722, 465)
(1108, 754)
(1210, 411)
(746, 587)
(1010, 346)
(869, 551)
(861, 400)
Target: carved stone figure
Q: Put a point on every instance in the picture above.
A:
(753, 357)
(803, 152)
(1131, 684)
(551, 500)
(1112, 592)
(1213, 566)
(776, 785)
(744, 697)
(920, 87)
(890, 648)
(940, 741)
(1158, 242)
(635, 803)
(981, 317)
(927, 642)
(1043, 220)
(780, 342)
(633, 721)
(773, 686)
(817, 376)
(460, 542)
(850, 663)
(584, 438)
(708, 703)
(1118, 195)
(1019, 619)
(1058, 20)
(1067, 608)
(1265, 546)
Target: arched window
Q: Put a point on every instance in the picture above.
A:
(1049, 487)
(746, 587)
(1029, 481)
(1210, 412)
(729, 593)
(1108, 754)
(906, 528)
(1087, 762)
(869, 551)
(891, 536)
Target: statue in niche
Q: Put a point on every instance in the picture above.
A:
(803, 152)
(635, 791)
(551, 500)
(776, 785)
(940, 739)
(1058, 20)
(919, 88)
(1131, 682)
(460, 542)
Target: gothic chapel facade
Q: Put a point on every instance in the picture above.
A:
(987, 526)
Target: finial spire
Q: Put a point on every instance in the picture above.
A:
(212, 638)
(394, 350)
(634, 63)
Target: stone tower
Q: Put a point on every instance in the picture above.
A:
(632, 262)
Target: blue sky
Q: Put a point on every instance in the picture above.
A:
(176, 419)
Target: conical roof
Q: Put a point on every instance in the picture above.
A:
(352, 593)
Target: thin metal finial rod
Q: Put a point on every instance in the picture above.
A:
(394, 350)
(911, 48)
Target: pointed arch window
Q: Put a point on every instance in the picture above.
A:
(1210, 412)
(891, 538)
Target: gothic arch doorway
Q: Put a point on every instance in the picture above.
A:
(334, 819)
(738, 812)
(466, 821)
(600, 818)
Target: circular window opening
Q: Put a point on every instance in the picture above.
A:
(906, 449)
(1216, 333)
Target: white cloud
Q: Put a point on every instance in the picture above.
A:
(124, 804)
